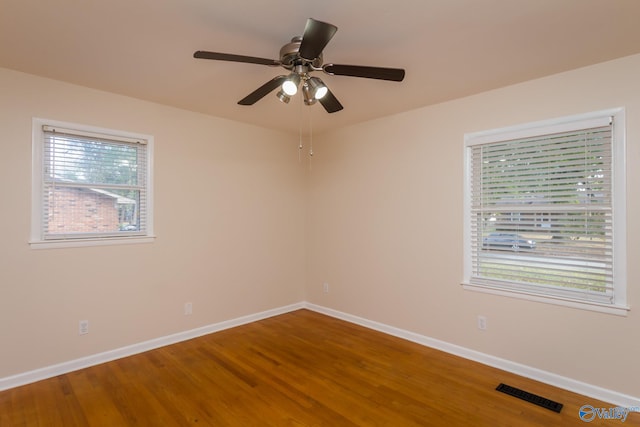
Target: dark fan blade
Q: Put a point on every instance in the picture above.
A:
(262, 91)
(330, 103)
(234, 58)
(393, 74)
(316, 36)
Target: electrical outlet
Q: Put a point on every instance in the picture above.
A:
(482, 323)
(188, 308)
(83, 327)
(325, 287)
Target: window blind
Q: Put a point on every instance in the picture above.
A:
(541, 213)
(93, 185)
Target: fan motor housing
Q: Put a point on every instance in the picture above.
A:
(290, 57)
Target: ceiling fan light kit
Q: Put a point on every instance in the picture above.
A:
(309, 99)
(317, 87)
(302, 56)
(282, 96)
(290, 86)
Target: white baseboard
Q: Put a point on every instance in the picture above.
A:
(506, 365)
(107, 356)
(595, 392)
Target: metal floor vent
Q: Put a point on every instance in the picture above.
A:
(529, 397)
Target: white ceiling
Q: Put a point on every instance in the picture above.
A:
(449, 48)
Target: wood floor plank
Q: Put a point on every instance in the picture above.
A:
(297, 369)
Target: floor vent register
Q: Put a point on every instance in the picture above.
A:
(530, 397)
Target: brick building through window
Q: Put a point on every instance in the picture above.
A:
(87, 210)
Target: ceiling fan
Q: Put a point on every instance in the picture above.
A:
(302, 56)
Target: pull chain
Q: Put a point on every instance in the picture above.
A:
(300, 133)
(310, 136)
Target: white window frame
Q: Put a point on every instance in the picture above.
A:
(37, 240)
(618, 306)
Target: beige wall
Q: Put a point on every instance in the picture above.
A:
(229, 219)
(385, 229)
(242, 226)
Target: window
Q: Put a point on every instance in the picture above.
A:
(545, 211)
(90, 186)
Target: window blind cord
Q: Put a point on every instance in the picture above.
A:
(585, 221)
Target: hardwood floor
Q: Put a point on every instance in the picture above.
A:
(297, 369)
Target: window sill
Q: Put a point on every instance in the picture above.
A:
(77, 243)
(618, 310)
